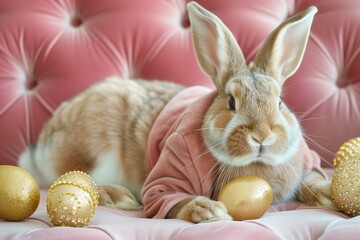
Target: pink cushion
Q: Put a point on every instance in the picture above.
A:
(285, 221)
(52, 50)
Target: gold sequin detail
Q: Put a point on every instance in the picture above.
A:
(72, 200)
(349, 149)
(345, 187)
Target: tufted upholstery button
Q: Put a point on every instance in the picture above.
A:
(76, 22)
(31, 84)
(185, 21)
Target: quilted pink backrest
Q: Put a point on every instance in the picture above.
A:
(52, 50)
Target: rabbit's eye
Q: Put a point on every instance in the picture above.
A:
(232, 103)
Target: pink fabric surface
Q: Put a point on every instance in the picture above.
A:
(285, 221)
(52, 50)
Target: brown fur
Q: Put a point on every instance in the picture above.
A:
(126, 129)
(114, 115)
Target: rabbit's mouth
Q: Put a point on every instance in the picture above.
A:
(261, 150)
(261, 154)
(264, 157)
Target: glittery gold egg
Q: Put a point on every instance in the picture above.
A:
(247, 197)
(349, 149)
(19, 193)
(345, 186)
(72, 200)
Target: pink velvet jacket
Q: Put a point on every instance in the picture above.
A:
(178, 161)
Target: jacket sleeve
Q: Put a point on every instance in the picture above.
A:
(173, 178)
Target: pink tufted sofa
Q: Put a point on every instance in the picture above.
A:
(52, 50)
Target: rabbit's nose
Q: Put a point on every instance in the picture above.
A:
(262, 135)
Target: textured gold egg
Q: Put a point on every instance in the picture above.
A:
(247, 197)
(72, 200)
(349, 149)
(19, 193)
(345, 186)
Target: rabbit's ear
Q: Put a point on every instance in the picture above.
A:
(283, 50)
(216, 49)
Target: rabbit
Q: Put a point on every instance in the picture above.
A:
(247, 129)
(102, 131)
(241, 128)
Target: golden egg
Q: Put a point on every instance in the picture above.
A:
(247, 197)
(72, 200)
(345, 186)
(349, 149)
(19, 193)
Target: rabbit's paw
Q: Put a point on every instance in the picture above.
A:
(316, 191)
(118, 197)
(203, 209)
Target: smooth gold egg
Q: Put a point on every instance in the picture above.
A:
(19, 193)
(72, 200)
(345, 186)
(246, 197)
